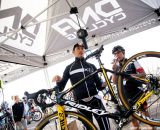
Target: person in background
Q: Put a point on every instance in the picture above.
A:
(26, 110)
(86, 93)
(19, 114)
(131, 86)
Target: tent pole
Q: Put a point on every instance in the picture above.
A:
(32, 24)
(47, 78)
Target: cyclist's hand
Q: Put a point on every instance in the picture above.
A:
(56, 78)
(115, 64)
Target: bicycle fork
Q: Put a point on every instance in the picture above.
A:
(62, 118)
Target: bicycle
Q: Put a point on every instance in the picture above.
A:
(151, 86)
(6, 121)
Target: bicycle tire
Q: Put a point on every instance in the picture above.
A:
(37, 116)
(51, 120)
(149, 60)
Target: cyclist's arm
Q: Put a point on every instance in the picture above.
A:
(63, 81)
(114, 77)
(116, 68)
(99, 84)
(139, 70)
(141, 75)
(136, 70)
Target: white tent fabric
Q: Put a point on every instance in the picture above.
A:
(152, 3)
(37, 34)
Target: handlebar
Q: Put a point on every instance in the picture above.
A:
(95, 53)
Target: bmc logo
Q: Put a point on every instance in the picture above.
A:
(26, 37)
(99, 16)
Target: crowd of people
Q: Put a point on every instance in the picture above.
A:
(19, 111)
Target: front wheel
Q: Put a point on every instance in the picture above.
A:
(36, 115)
(150, 61)
(74, 119)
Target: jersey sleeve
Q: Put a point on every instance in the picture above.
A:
(97, 80)
(64, 80)
(138, 67)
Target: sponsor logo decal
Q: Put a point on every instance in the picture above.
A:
(26, 37)
(68, 27)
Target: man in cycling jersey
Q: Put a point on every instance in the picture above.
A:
(132, 90)
(87, 92)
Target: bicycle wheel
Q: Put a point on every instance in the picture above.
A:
(37, 116)
(150, 61)
(51, 122)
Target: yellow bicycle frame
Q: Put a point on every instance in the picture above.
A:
(107, 80)
(143, 98)
(62, 118)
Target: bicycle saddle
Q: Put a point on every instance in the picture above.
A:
(30, 96)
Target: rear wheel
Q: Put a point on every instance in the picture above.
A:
(51, 122)
(150, 61)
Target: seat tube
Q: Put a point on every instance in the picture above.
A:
(62, 118)
(107, 81)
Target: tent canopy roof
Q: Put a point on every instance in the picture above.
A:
(35, 35)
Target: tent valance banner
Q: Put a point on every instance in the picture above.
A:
(37, 34)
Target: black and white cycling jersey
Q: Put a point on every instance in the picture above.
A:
(77, 71)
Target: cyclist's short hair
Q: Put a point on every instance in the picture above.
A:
(118, 48)
(77, 45)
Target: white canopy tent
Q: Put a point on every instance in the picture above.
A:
(37, 34)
